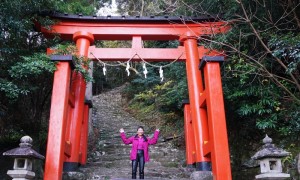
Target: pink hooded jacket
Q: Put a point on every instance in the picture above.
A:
(134, 141)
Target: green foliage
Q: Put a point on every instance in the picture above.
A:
(239, 85)
(82, 64)
(287, 48)
(11, 90)
(23, 76)
(140, 83)
(82, 67)
(76, 6)
(33, 66)
(253, 97)
(290, 125)
(11, 136)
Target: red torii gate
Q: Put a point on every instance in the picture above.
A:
(205, 124)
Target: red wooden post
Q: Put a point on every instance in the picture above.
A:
(189, 136)
(69, 118)
(83, 41)
(84, 135)
(57, 123)
(218, 141)
(195, 88)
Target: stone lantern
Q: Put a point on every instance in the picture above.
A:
(23, 162)
(269, 157)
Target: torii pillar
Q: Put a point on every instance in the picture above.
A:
(207, 110)
(195, 88)
(79, 116)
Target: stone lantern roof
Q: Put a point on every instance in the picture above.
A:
(24, 150)
(269, 150)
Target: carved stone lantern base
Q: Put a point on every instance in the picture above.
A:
(272, 176)
(21, 174)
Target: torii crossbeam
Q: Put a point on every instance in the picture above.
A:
(204, 115)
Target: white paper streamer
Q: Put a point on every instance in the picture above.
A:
(145, 70)
(161, 73)
(104, 70)
(127, 68)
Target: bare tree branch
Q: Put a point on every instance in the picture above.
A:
(274, 78)
(291, 5)
(265, 46)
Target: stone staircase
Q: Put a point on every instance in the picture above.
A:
(108, 157)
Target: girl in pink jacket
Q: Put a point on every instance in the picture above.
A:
(139, 152)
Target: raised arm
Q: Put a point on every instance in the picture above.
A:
(124, 138)
(155, 137)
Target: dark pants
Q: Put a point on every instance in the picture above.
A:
(138, 161)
